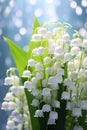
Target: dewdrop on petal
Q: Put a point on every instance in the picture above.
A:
(65, 95)
(38, 113)
(53, 115)
(26, 74)
(47, 60)
(46, 108)
(8, 81)
(31, 62)
(78, 127)
(76, 112)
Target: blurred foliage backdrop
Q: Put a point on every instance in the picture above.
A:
(16, 21)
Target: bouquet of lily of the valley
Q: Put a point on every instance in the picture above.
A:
(50, 92)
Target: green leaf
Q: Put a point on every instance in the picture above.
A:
(34, 121)
(19, 55)
(32, 44)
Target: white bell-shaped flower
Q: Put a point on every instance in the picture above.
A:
(42, 30)
(49, 70)
(5, 105)
(77, 42)
(46, 92)
(75, 50)
(44, 82)
(40, 50)
(84, 44)
(66, 37)
(65, 95)
(36, 37)
(47, 35)
(51, 80)
(56, 104)
(26, 74)
(53, 115)
(76, 112)
(11, 105)
(36, 92)
(31, 62)
(60, 71)
(35, 103)
(38, 66)
(38, 113)
(9, 96)
(78, 127)
(8, 81)
(59, 50)
(69, 106)
(34, 80)
(74, 75)
(39, 75)
(58, 78)
(29, 85)
(15, 113)
(67, 57)
(10, 124)
(51, 121)
(47, 60)
(35, 52)
(56, 65)
(71, 66)
(46, 108)
(83, 104)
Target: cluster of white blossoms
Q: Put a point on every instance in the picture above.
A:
(58, 61)
(15, 103)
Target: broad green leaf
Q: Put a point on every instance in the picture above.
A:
(34, 121)
(19, 55)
